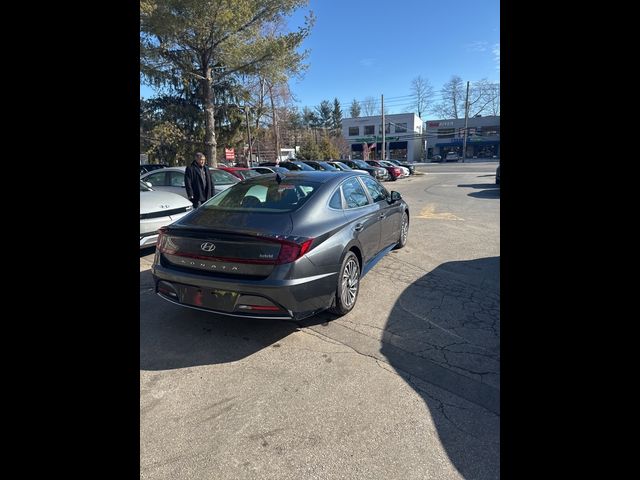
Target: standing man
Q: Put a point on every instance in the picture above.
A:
(197, 181)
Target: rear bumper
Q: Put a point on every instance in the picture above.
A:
(148, 239)
(294, 299)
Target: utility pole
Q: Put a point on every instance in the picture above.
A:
(466, 117)
(384, 147)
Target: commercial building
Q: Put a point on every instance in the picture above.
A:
(483, 137)
(403, 137)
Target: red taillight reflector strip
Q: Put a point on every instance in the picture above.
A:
(264, 308)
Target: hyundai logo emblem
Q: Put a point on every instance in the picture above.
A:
(208, 247)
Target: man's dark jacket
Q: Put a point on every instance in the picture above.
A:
(197, 190)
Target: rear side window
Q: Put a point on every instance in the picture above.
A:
(336, 200)
(156, 179)
(176, 179)
(354, 193)
(377, 191)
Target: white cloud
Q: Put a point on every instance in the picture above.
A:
(496, 55)
(367, 62)
(477, 46)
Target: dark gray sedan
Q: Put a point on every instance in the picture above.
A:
(280, 246)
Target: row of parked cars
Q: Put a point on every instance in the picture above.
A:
(379, 169)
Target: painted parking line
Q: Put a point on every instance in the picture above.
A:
(429, 213)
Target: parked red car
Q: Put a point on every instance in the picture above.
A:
(241, 172)
(395, 172)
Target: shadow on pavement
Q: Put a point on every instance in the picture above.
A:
(176, 337)
(443, 338)
(487, 190)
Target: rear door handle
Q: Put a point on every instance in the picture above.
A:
(359, 227)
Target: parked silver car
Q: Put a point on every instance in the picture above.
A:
(172, 180)
(158, 209)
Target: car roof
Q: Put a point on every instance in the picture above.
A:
(315, 176)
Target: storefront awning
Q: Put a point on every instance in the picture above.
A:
(459, 144)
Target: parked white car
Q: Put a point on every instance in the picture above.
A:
(172, 180)
(158, 209)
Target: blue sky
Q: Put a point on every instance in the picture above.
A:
(361, 48)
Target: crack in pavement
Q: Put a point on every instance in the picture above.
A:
(470, 389)
(440, 406)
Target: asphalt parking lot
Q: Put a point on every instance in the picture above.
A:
(405, 386)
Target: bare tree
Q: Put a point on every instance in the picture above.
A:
(370, 107)
(484, 98)
(452, 104)
(494, 107)
(422, 92)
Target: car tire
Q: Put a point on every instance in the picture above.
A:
(404, 231)
(348, 285)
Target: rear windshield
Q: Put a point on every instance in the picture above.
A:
(302, 165)
(220, 177)
(265, 195)
(328, 166)
(345, 167)
(248, 173)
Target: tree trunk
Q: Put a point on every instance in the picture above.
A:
(209, 110)
(275, 124)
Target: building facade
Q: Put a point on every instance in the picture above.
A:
(443, 136)
(403, 137)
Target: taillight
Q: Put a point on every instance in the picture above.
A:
(164, 243)
(397, 171)
(290, 251)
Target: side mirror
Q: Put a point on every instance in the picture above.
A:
(395, 196)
